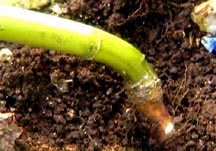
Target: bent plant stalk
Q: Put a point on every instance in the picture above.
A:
(50, 32)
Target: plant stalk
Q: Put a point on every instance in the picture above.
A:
(50, 32)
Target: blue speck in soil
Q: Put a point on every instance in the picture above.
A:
(209, 42)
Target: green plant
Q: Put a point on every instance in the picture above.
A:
(51, 32)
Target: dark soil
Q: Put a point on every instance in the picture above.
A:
(90, 111)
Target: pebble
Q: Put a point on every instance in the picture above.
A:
(70, 114)
(5, 54)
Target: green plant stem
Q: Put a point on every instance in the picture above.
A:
(51, 32)
(63, 35)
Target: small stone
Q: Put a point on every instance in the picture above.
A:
(70, 114)
(59, 9)
(5, 54)
(57, 79)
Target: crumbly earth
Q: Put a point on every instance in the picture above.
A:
(89, 111)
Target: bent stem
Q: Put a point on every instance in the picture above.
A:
(51, 32)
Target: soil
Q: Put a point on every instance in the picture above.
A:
(90, 111)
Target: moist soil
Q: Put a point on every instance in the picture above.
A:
(90, 111)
